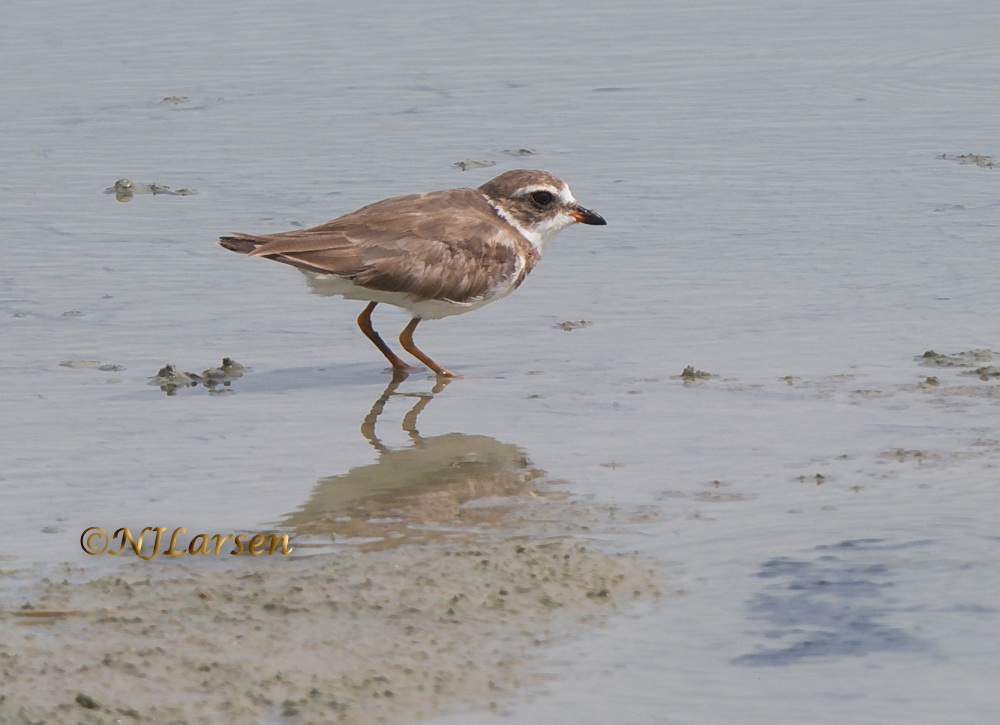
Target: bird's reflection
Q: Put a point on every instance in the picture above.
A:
(422, 491)
(410, 419)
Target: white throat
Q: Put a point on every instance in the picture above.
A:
(539, 234)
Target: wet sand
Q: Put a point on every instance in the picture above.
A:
(386, 634)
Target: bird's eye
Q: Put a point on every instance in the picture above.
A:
(542, 198)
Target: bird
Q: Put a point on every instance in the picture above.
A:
(434, 254)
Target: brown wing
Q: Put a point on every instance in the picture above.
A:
(416, 243)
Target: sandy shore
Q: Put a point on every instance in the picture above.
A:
(363, 634)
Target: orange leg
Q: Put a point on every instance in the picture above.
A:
(365, 323)
(406, 340)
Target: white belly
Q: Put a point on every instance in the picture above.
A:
(330, 285)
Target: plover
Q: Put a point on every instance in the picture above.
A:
(435, 254)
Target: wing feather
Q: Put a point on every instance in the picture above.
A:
(416, 244)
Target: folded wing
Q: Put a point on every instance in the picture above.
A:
(416, 244)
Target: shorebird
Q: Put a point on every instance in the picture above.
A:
(435, 254)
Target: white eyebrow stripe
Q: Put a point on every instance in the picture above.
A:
(564, 193)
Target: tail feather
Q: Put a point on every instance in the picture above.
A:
(244, 245)
(247, 244)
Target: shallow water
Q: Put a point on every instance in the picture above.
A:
(778, 216)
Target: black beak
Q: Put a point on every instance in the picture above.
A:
(586, 216)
